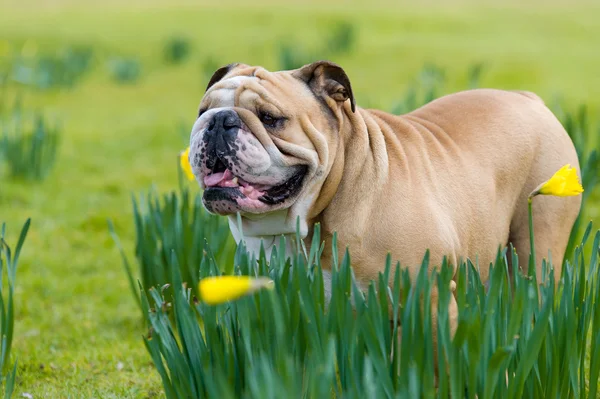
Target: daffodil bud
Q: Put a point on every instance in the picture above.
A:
(216, 290)
(184, 162)
(563, 183)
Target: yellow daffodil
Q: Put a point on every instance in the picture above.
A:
(216, 290)
(185, 164)
(564, 183)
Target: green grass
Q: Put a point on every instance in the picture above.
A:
(29, 144)
(509, 342)
(9, 261)
(78, 329)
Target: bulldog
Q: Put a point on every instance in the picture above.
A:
(452, 176)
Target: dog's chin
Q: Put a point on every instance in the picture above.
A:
(227, 199)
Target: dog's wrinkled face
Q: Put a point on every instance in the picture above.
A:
(261, 141)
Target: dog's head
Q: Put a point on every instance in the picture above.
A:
(265, 141)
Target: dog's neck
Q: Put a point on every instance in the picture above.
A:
(265, 230)
(343, 181)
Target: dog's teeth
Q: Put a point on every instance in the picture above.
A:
(235, 181)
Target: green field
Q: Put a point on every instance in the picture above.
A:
(77, 329)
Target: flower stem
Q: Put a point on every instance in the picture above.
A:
(531, 241)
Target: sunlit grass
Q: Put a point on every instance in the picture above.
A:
(72, 335)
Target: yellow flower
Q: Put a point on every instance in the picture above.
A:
(564, 183)
(216, 290)
(184, 162)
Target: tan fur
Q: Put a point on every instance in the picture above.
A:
(452, 176)
(456, 181)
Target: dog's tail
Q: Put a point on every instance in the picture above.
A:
(530, 95)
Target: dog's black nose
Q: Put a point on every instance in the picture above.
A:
(225, 120)
(220, 136)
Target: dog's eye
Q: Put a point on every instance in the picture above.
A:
(201, 112)
(268, 120)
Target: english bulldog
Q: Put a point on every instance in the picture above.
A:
(452, 176)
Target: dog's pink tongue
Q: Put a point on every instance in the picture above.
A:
(213, 179)
(216, 178)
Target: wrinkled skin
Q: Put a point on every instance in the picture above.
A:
(274, 169)
(451, 177)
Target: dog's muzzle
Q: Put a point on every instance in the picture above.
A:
(220, 137)
(232, 184)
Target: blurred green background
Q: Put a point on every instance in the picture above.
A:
(125, 102)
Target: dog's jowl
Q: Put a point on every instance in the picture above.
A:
(452, 176)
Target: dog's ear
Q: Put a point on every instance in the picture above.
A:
(221, 72)
(327, 78)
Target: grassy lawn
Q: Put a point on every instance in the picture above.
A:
(78, 331)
